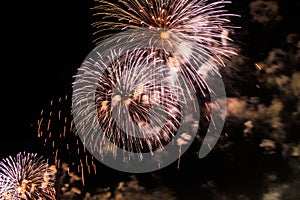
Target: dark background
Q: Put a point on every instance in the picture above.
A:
(45, 42)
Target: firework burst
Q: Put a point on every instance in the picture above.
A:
(131, 105)
(191, 32)
(26, 176)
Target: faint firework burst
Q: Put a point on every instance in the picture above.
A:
(26, 176)
(61, 142)
(132, 103)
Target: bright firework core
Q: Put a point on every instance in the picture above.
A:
(165, 35)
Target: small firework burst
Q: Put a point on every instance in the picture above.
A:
(55, 128)
(131, 105)
(26, 176)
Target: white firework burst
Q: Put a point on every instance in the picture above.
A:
(130, 101)
(26, 176)
(191, 32)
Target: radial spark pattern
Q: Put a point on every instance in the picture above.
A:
(130, 104)
(26, 176)
(191, 32)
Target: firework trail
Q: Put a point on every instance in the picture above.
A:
(26, 176)
(131, 105)
(58, 135)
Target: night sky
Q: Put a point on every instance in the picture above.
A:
(44, 45)
(45, 42)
